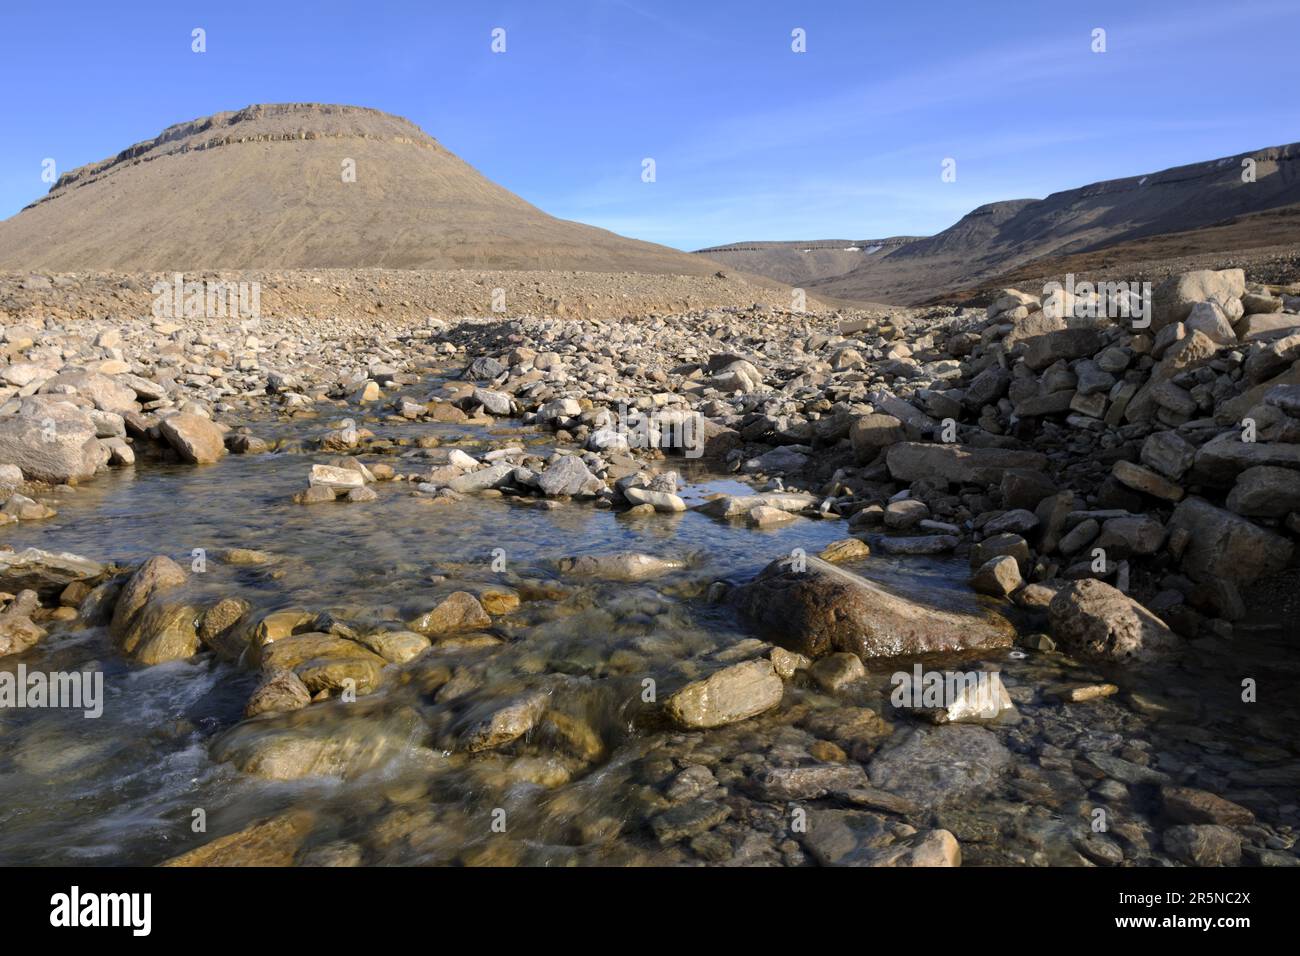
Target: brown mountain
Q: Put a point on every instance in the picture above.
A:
(263, 188)
(1195, 203)
(798, 263)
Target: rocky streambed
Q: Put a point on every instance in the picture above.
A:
(425, 600)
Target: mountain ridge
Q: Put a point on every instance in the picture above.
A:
(266, 187)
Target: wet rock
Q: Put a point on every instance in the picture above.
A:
(396, 647)
(765, 517)
(314, 495)
(506, 723)
(693, 782)
(836, 671)
(296, 746)
(334, 478)
(1125, 771)
(856, 838)
(737, 506)
(1203, 845)
(1189, 805)
(688, 820)
(784, 784)
(785, 663)
(267, 843)
(934, 767)
(662, 501)
(218, 625)
(845, 549)
(1080, 693)
(45, 572)
(18, 632)
(826, 608)
(281, 691)
(620, 566)
(156, 576)
(196, 439)
(164, 630)
(342, 669)
(726, 696)
(459, 611)
(245, 557)
(1093, 620)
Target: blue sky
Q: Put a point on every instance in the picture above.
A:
(750, 140)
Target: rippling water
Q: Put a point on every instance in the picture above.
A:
(124, 788)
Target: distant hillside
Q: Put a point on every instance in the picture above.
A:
(264, 188)
(798, 263)
(1008, 237)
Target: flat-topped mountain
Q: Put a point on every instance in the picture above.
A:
(271, 187)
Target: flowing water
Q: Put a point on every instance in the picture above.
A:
(127, 786)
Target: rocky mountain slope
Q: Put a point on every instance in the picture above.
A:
(1194, 202)
(268, 187)
(797, 263)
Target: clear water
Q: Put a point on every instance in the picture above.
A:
(124, 788)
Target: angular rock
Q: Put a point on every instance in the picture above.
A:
(45, 572)
(1092, 620)
(825, 608)
(1224, 546)
(726, 696)
(196, 439)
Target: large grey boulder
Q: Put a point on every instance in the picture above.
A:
(870, 433)
(1221, 459)
(1221, 546)
(106, 393)
(1173, 299)
(822, 609)
(568, 475)
(1266, 491)
(51, 441)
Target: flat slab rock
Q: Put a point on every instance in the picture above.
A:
(936, 767)
(824, 608)
(45, 572)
